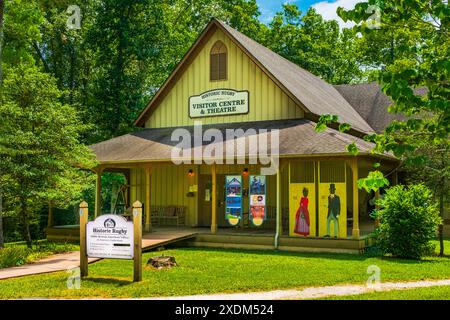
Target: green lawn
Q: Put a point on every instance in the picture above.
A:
(203, 271)
(431, 293)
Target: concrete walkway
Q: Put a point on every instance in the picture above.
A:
(314, 292)
(57, 262)
(63, 261)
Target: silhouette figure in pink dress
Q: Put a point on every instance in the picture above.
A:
(302, 216)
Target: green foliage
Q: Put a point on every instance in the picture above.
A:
(344, 127)
(352, 149)
(315, 44)
(408, 222)
(13, 256)
(324, 121)
(40, 151)
(18, 254)
(414, 61)
(373, 182)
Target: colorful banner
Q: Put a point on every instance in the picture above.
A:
(233, 191)
(257, 200)
(302, 209)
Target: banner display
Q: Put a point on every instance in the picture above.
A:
(257, 200)
(333, 210)
(302, 209)
(233, 192)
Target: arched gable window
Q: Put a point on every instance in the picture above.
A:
(218, 62)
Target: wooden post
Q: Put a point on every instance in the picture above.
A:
(50, 215)
(355, 230)
(395, 178)
(137, 226)
(377, 207)
(278, 209)
(98, 194)
(214, 200)
(148, 211)
(83, 249)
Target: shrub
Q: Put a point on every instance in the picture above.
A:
(16, 254)
(408, 221)
(13, 256)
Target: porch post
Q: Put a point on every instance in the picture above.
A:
(354, 166)
(148, 211)
(395, 178)
(377, 196)
(50, 215)
(278, 210)
(98, 193)
(214, 200)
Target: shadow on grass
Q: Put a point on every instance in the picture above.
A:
(314, 255)
(113, 281)
(335, 256)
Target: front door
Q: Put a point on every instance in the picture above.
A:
(205, 200)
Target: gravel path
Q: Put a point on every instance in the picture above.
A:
(314, 292)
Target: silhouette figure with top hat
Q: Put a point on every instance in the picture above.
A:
(334, 210)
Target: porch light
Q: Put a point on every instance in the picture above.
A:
(191, 173)
(245, 172)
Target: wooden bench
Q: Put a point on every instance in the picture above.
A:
(168, 215)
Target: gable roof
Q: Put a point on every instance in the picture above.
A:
(314, 94)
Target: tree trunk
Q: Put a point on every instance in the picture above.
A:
(2, 8)
(25, 222)
(2, 240)
(441, 226)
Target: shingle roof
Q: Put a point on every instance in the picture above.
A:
(314, 94)
(296, 137)
(317, 96)
(371, 103)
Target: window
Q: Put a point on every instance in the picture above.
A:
(218, 62)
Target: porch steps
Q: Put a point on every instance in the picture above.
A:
(266, 242)
(63, 233)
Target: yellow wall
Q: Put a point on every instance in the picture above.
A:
(169, 186)
(267, 101)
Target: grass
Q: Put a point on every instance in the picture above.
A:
(16, 254)
(205, 271)
(430, 293)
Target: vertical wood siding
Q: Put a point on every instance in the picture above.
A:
(267, 100)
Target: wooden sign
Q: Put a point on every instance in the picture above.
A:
(111, 237)
(218, 102)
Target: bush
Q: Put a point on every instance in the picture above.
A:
(408, 221)
(18, 254)
(13, 256)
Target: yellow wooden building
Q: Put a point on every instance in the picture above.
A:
(228, 81)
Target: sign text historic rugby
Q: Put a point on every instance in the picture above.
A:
(110, 236)
(218, 103)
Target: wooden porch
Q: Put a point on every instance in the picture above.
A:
(235, 238)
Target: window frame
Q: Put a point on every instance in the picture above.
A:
(218, 48)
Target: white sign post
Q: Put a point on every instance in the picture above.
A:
(218, 102)
(110, 236)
